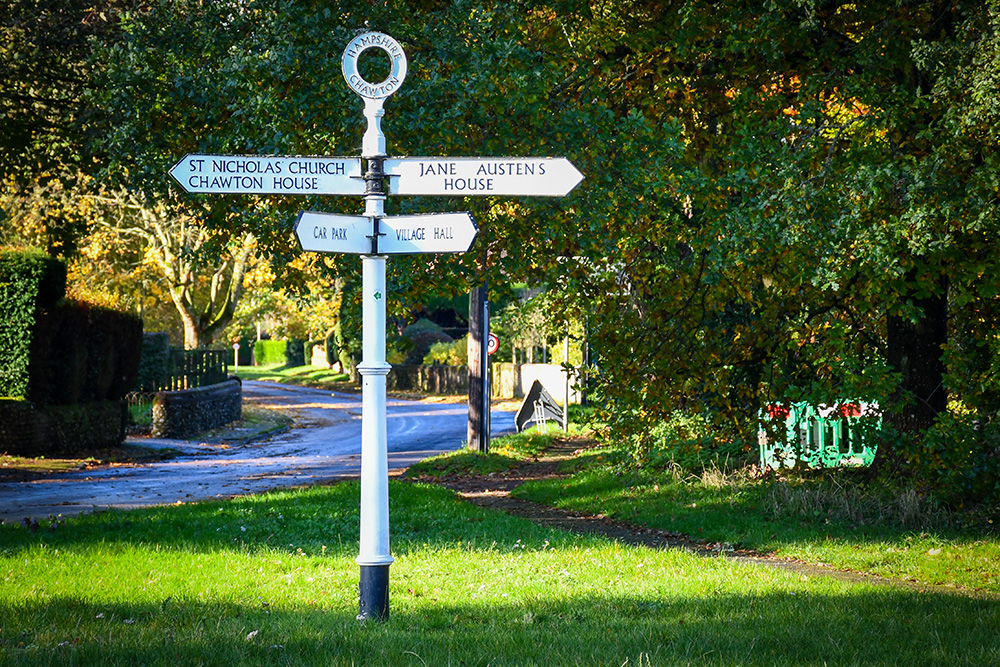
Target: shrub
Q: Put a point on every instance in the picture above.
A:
(295, 352)
(28, 281)
(455, 353)
(422, 342)
(267, 352)
(420, 326)
(959, 458)
(685, 439)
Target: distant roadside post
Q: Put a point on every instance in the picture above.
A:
(375, 236)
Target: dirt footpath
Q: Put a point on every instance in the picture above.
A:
(493, 492)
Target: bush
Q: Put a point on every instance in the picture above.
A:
(959, 458)
(455, 353)
(153, 362)
(685, 439)
(28, 281)
(421, 335)
(267, 352)
(422, 342)
(421, 326)
(295, 353)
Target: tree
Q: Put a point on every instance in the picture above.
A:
(780, 204)
(127, 244)
(832, 182)
(44, 73)
(183, 250)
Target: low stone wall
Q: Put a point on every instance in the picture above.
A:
(29, 431)
(429, 379)
(180, 413)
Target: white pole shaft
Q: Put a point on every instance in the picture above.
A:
(374, 447)
(374, 548)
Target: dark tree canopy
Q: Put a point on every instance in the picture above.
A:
(790, 201)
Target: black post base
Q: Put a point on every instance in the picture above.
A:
(374, 590)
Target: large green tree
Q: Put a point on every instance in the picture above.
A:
(44, 73)
(783, 200)
(834, 208)
(263, 76)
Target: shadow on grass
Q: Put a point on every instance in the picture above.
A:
(515, 607)
(882, 627)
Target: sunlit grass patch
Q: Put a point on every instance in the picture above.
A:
(505, 452)
(817, 520)
(272, 579)
(303, 375)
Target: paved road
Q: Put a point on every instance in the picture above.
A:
(324, 445)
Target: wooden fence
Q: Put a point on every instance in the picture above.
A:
(187, 369)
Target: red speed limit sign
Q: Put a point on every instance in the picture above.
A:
(493, 344)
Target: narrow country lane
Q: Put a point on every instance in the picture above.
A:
(323, 445)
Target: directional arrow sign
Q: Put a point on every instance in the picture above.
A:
(465, 176)
(326, 232)
(260, 174)
(433, 232)
(400, 234)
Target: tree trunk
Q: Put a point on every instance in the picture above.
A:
(222, 304)
(915, 350)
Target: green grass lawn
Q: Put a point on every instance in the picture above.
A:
(271, 580)
(309, 376)
(820, 520)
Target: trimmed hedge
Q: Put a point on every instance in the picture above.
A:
(267, 352)
(82, 353)
(154, 362)
(295, 353)
(28, 281)
(58, 352)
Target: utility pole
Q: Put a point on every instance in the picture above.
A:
(479, 403)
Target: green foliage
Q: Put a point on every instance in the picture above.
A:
(421, 336)
(421, 326)
(455, 353)
(268, 352)
(295, 352)
(780, 203)
(28, 281)
(684, 439)
(44, 48)
(959, 458)
(829, 192)
(83, 353)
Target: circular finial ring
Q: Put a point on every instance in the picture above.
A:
(349, 63)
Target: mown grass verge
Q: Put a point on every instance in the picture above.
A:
(271, 580)
(505, 452)
(828, 518)
(306, 376)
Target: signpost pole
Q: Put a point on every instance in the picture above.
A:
(433, 233)
(374, 556)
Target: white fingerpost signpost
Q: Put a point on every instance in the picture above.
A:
(375, 236)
